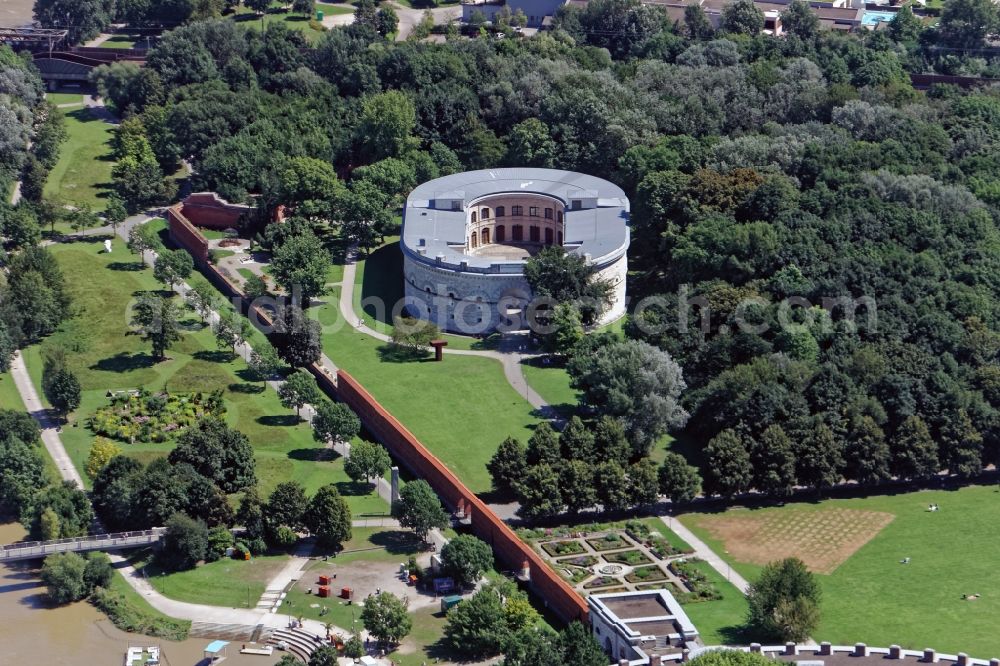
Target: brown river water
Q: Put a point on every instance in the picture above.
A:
(34, 632)
(15, 13)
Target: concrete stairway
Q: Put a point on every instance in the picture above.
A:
(300, 643)
(226, 632)
(270, 600)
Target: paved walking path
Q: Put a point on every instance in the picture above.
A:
(702, 551)
(49, 425)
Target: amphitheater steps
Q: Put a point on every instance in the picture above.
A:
(300, 643)
(225, 632)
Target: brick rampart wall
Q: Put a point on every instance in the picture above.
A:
(401, 443)
(207, 209)
(509, 549)
(184, 234)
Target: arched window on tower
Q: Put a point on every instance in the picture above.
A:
(517, 233)
(500, 211)
(548, 235)
(474, 240)
(535, 236)
(559, 238)
(473, 217)
(486, 214)
(486, 236)
(501, 233)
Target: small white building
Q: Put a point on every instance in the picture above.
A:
(640, 627)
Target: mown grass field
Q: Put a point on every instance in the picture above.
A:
(277, 13)
(106, 356)
(226, 582)
(873, 597)
(64, 98)
(461, 409)
(83, 173)
(9, 397)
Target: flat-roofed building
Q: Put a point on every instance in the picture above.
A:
(641, 627)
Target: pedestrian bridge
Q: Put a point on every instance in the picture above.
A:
(30, 550)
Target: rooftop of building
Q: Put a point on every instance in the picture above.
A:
(432, 229)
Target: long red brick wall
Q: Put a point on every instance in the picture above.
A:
(407, 449)
(509, 549)
(184, 234)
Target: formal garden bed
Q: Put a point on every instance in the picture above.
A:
(145, 416)
(611, 541)
(602, 581)
(646, 574)
(660, 547)
(629, 557)
(574, 575)
(579, 561)
(558, 548)
(701, 589)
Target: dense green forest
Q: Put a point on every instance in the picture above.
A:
(760, 169)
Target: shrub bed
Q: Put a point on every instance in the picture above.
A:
(646, 574)
(609, 542)
(629, 557)
(143, 416)
(579, 561)
(700, 588)
(557, 548)
(601, 581)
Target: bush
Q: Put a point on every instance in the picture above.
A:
(184, 544)
(219, 540)
(128, 618)
(63, 575)
(283, 537)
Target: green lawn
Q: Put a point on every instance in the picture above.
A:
(719, 622)
(552, 383)
(874, 598)
(141, 610)
(9, 397)
(226, 582)
(64, 98)
(122, 42)
(277, 14)
(461, 409)
(104, 358)
(83, 173)
(331, 10)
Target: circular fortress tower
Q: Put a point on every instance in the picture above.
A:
(466, 238)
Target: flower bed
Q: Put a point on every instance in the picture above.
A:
(609, 542)
(602, 581)
(629, 557)
(573, 575)
(701, 589)
(646, 574)
(557, 548)
(578, 561)
(142, 416)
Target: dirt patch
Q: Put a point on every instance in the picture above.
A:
(822, 539)
(230, 242)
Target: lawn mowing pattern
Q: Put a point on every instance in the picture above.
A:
(83, 173)
(105, 358)
(822, 539)
(874, 598)
(226, 582)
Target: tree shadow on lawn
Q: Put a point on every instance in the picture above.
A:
(125, 362)
(736, 635)
(306, 455)
(218, 356)
(247, 388)
(354, 488)
(128, 266)
(397, 542)
(279, 420)
(392, 353)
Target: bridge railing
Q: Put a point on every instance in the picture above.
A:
(29, 549)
